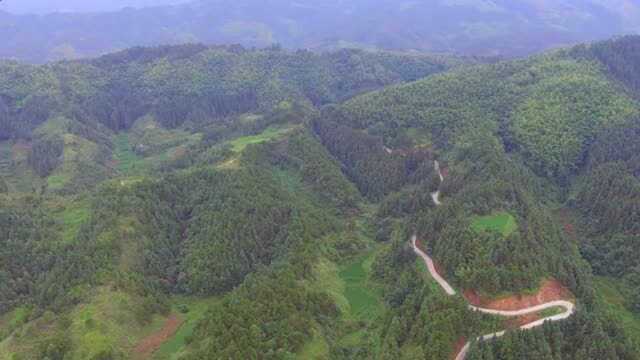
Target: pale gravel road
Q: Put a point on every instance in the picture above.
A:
(569, 308)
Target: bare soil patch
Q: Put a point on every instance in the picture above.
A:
(458, 347)
(551, 290)
(147, 346)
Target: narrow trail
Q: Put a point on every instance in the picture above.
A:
(569, 307)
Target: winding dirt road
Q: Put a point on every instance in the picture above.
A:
(569, 308)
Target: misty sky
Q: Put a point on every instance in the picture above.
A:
(48, 6)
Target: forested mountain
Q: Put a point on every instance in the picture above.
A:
(194, 202)
(478, 27)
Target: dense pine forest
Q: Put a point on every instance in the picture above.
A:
(194, 202)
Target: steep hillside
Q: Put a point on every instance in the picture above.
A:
(66, 115)
(516, 140)
(162, 178)
(196, 203)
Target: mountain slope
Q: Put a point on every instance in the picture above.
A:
(265, 200)
(477, 27)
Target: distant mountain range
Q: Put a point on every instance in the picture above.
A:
(479, 27)
(66, 6)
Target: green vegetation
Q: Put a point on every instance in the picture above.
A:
(235, 189)
(126, 158)
(239, 144)
(110, 323)
(73, 216)
(316, 349)
(174, 347)
(363, 301)
(502, 222)
(564, 112)
(14, 319)
(617, 306)
(551, 312)
(57, 181)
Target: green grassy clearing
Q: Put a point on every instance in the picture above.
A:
(326, 278)
(73, 216)
(551, 312)
(501, 222)
(103, 327)
(57, 181)
(239, 144)
(13, 319)
(355, 295)
(127, 159)
(174, 347)
(107, 324)
(609, 291)
(364, 299)
(316, 349)
(349, 286)
(158, 143)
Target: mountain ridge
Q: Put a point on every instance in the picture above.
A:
(473, 27)
(265, 199)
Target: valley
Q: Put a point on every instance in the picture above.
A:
(191, 202)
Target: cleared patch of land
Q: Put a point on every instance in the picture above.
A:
(172, 347)
(126, 158)
(501, 222)
(239, 144)
(363, 299)
(550, 290)
(151, 343)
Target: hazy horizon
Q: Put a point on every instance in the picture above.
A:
(23, 7)
(465, 27)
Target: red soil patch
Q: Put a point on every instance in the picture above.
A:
(567, 224)
(179, 152)
(551, 290)
(458, 347)
(438, 268)
(20, 148)
(113, 163)
(147, 346)
(569, 229)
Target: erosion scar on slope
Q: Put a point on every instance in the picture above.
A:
(147, 346)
